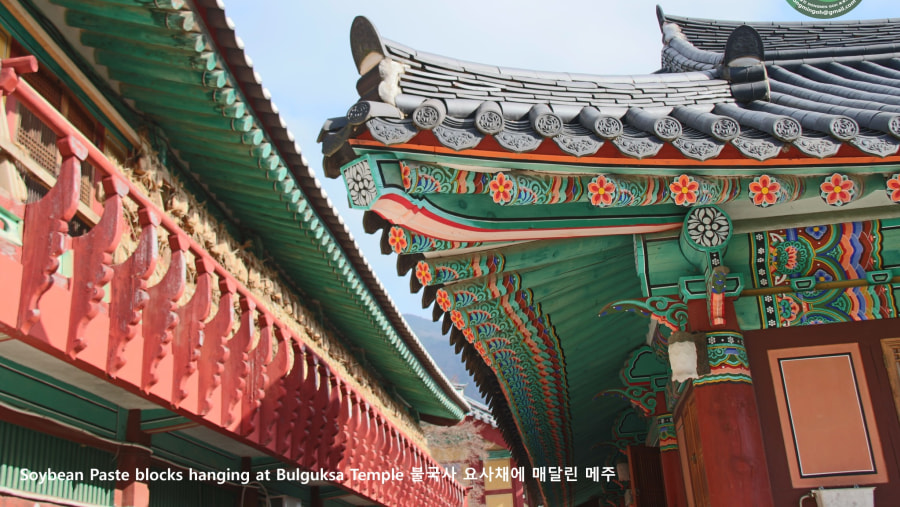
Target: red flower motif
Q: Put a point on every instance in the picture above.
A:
(837, 190)
(764, 191)
(500, 189)
(791, 261)
(601, 191)
(443, 300)
(469, 334)
(479, 346)
(423, 273)
(457, 318)
(397, 239)
(684, 190)
(893, 188)
(405, 172)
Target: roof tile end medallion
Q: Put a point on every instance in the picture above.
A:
(510, 109)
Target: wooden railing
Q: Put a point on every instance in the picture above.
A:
(261, 383)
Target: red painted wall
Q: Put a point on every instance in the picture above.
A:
(868, 335)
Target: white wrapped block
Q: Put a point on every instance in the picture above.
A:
(683, 358)
(845, 497)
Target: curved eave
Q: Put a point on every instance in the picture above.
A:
(187, 71)
(712, 34)
(399, 336)
(780, 106)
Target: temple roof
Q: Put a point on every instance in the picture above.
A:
(831, 36)
(755, 100)
(521, 203)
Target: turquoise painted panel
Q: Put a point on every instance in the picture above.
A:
(663, 264)
(10, 227)
(25, 451)
(189, 452)
(41, 394)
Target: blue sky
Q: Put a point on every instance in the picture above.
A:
(302, 51)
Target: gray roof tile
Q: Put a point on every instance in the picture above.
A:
(815, 85)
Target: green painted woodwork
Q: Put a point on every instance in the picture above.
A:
(643, 376)
(666, 270)
(559, 282)
(629, 428)
(198, 111)
(529, 309)
(197, 134)
(480, 212)
(22, 448)
(41, 394)
(187, 98)
(187, 451)
(150, 31)
(695, 287)
(10, 227)
(155, 420)
(125, 49)
(137, 15)
(128, 63)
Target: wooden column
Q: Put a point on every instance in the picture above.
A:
(670, 461)
(727, 417)
(315, 497)
(131, 492)
(250, 495)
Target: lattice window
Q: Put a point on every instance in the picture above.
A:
(39, 142)
(891, 348)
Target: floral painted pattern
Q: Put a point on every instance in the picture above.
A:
(684, 190)
(764, 191)
(601, 191)
(790, 262)
(443, 299)
(501, 189)
(397, 239)
(837, 190)
(405, 173)
(457, 318)
(479, 346)
(893, 188)
(792, 257)
(360, 184)
(423, 272)
(817, 231)
(469, 334)
(822, 276)
(708, 227)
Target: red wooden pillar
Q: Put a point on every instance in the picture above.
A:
(670, 461)
(315, 497)
(727, 416)
(130, 491)
(250, 495)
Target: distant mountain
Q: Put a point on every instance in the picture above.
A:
(438, 346)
